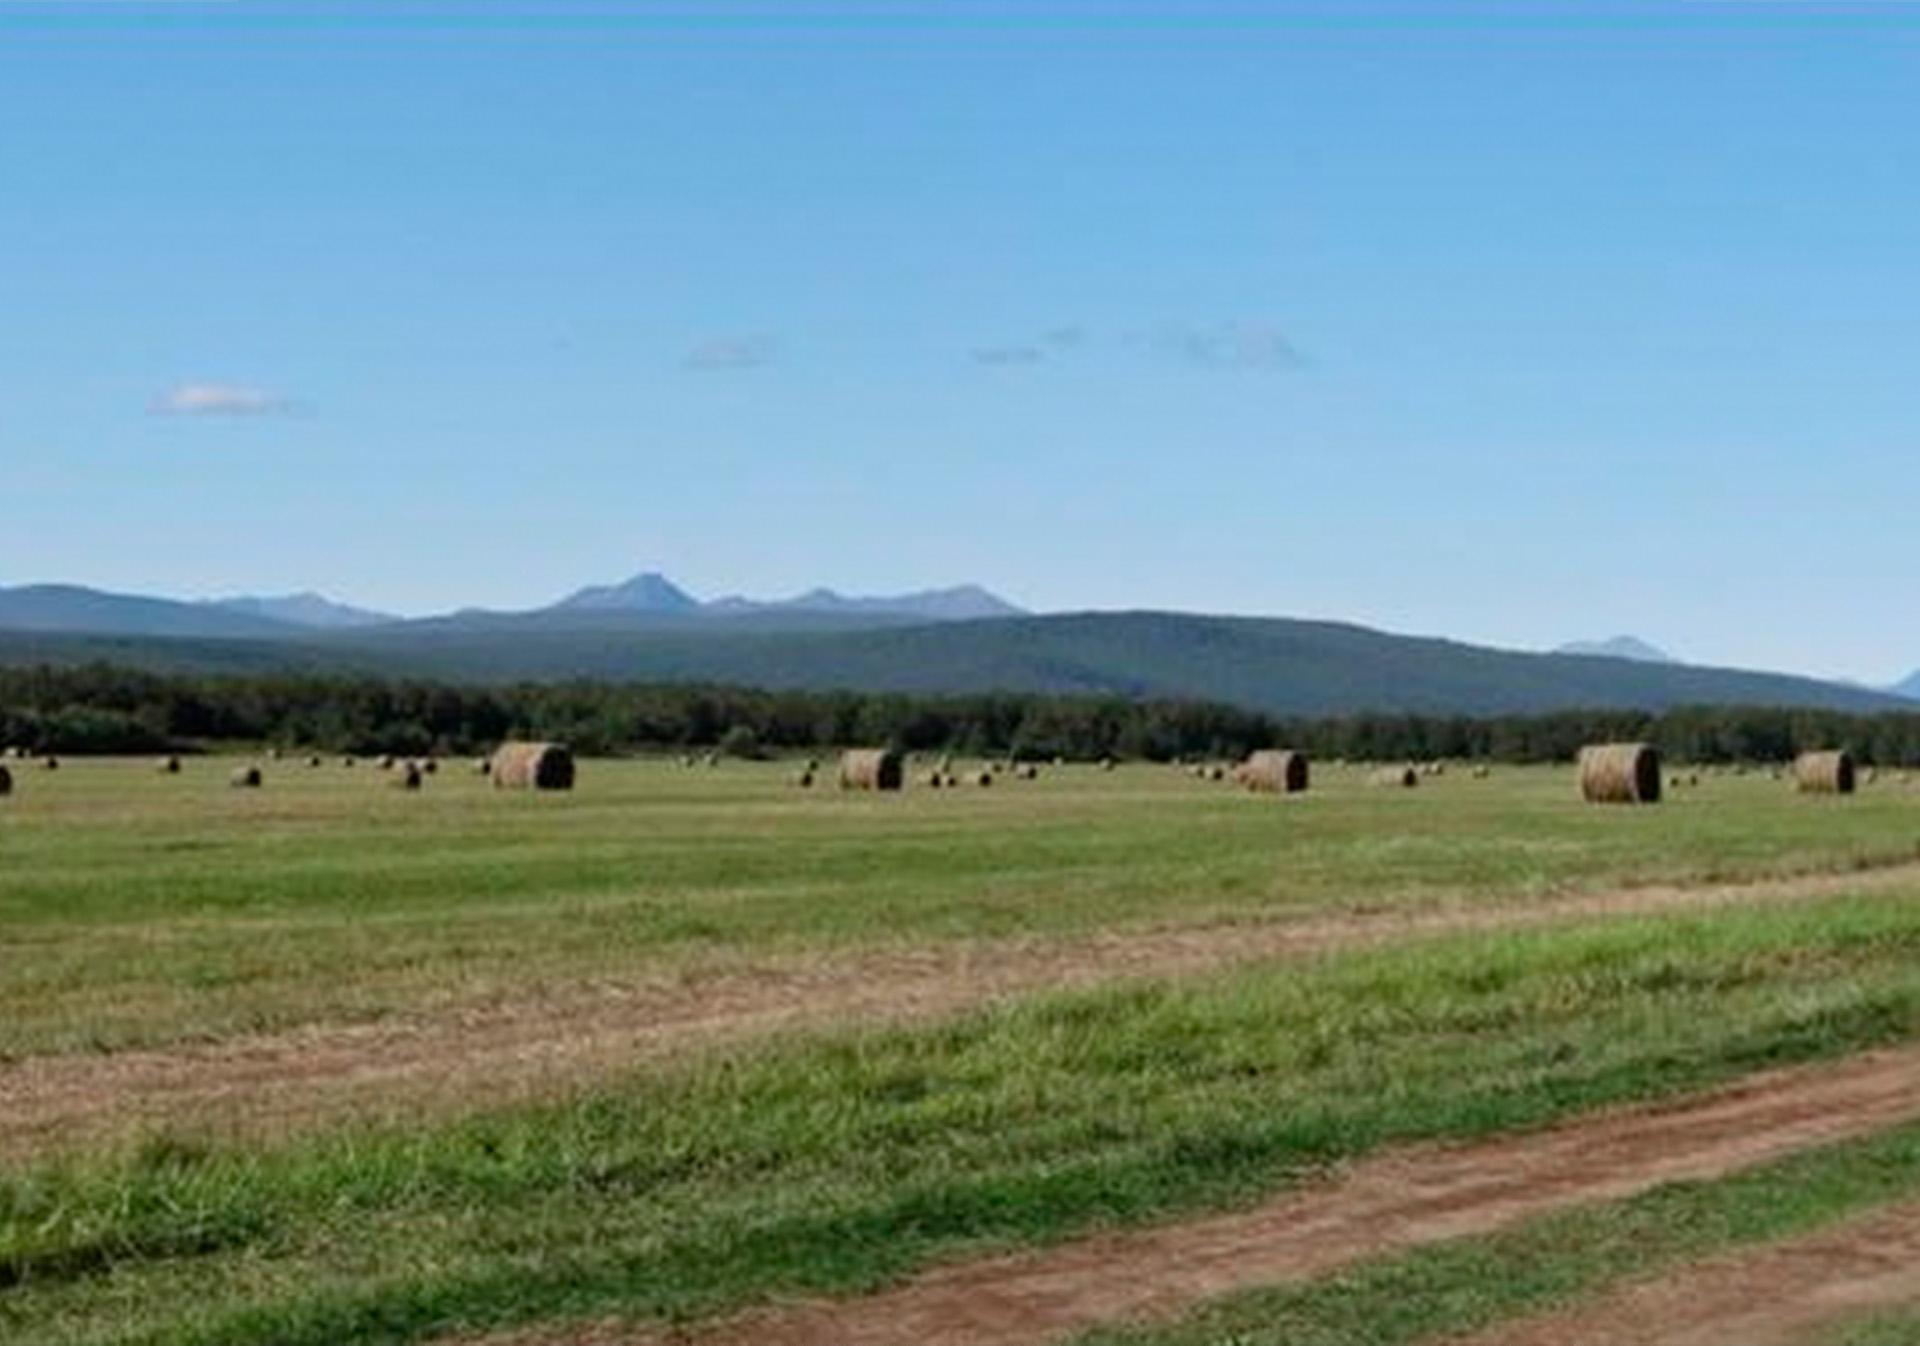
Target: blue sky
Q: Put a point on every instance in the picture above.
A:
(1515, 323)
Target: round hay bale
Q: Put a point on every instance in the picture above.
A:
(984, 779)
(1059, 761)
(1108, 764)
(6, 781)
(429, 765)
(50, 762)
(168, 766)
(1620, 773)
(245, 778)
(408, 776)
(1028, 772)
(385, 761)
(1824, 773)
(483, 766)
(314, 760)
(346, 761)
(1395, 777)
(1216, 772)
(804, 780)
(273, 754)
(1275, 771)
(532, 766)
(872, 769)
(935, 779)
(1482, 771)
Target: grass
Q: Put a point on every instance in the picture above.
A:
(141, 911)
(836, 1162)
(1446, 1290)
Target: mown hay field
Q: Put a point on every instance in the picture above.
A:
(330, 1062)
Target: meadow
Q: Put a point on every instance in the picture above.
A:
(331, 1062)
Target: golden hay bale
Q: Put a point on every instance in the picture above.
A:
(1216, 772)
(532, 766)
(314, 760)
(935, 779)
(168, 766)
(804, 780)
(1027, 772)
(1482, 771)
(1397, 777)
(50, 762)
(1825, 773)
(15, 752)
(429, 765)
(6, 781)
(483, 766)
(245, 778)
(984, 779)
(408, 777)
(872, 769)
(1108, 764)
(1273, 771)
(346, 761)
(385, 761)
(1620, 773)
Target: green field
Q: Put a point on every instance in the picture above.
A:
(1107, 1028)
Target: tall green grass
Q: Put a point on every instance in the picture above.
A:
(835, 1163)
(137, 910)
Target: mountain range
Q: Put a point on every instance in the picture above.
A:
(949, 640)
(1621, 647)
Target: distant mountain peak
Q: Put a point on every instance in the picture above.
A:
(959, 603)
(649, 591)
(1619, 647)
(305, 608)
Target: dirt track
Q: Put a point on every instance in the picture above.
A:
(1394, 1202)
(1780, 1295)
(270, 1084)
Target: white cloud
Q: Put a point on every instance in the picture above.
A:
(219, 399)
(1007, 355)
(1229, 345)
(748, 350)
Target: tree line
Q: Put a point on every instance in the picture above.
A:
(103, 708)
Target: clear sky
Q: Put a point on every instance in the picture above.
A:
(1515, 323)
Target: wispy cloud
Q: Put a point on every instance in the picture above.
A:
(1048, 344)
(1007, 355)
(1228, 345)
(746, 350)
(219, 399)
